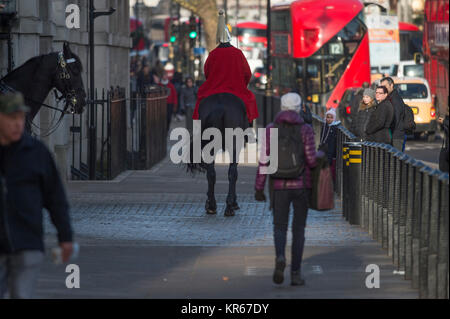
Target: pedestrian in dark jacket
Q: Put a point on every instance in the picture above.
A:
(366, 106)
(378, 127)
(328, 137)
(172, 99)
(29, 182)
(397, 130)
(177, 82)
(188, 98)
(145, 78)
(287, 191)
(444, 154)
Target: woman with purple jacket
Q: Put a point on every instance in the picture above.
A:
(286, 191)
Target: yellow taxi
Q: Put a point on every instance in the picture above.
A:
(416, 94)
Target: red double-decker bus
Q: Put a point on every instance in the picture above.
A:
(319, 48)
(435, 49)
(251, 34)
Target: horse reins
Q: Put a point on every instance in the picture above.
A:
(67, 95)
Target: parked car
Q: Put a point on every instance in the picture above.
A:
(259, 78)
(416, 94)
(344, 109)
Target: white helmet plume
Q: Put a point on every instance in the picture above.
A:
(223, 35)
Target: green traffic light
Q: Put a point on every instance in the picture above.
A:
(173, 38)
(193, 34)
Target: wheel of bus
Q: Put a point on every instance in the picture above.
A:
(417, 135)
(431, 136)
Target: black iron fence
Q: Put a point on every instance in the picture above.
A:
(131, 133)
(148, 113)
(401, 202)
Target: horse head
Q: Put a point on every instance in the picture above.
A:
(68, 80)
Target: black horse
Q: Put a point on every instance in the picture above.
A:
(36, 77)
(220, 111)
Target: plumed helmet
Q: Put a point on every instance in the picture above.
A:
(223, 35)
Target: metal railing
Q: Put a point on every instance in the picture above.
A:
(401, 202)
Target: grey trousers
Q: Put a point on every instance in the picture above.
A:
(19, 273)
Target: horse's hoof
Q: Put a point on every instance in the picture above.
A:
(229, 211)
(211, 207)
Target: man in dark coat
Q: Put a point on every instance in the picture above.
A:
(29, 182)
(398, 132)
(378, 127)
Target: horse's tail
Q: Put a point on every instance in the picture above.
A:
(214, 118)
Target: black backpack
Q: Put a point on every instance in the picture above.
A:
(409, 125)
(291, 157)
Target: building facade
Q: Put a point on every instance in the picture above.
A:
(40, 28)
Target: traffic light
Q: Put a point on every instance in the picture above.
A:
(193, 34)
(174, 33)
(192, 30)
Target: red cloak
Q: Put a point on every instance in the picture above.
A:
(227, 71)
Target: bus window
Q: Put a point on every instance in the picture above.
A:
(327, 65)
(281, 20)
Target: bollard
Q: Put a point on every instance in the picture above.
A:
(433, 236)
(380, 185)
(442, 268)
(402, 213)
(409, 217)
(424, 232)
(416, 223)
(396, 211)
(344, 177)
(390, 218)
(376, 170)
(363, 183)
(353, 177)
(371, 170)
(386, 193)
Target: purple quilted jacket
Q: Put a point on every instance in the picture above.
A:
(309, 144)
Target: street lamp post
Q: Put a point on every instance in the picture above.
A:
(268, 91)
(92, 125)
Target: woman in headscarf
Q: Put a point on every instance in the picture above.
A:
(328, 139)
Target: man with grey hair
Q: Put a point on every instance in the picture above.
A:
(29, 182)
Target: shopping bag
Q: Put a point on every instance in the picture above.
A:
(322, 193)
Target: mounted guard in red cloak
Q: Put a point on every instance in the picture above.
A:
(227, 71)
(223, 102)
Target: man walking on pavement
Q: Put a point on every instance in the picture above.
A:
(397, 130)
(29, 182)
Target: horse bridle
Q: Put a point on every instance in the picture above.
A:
(63, 74)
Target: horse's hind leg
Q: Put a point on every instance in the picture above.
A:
(211, 206)
(231, 198)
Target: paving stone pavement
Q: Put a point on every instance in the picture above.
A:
(146, 235)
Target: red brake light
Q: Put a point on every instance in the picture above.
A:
(348, 109)
(257, 74)
(165, 45)
(433, 112)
